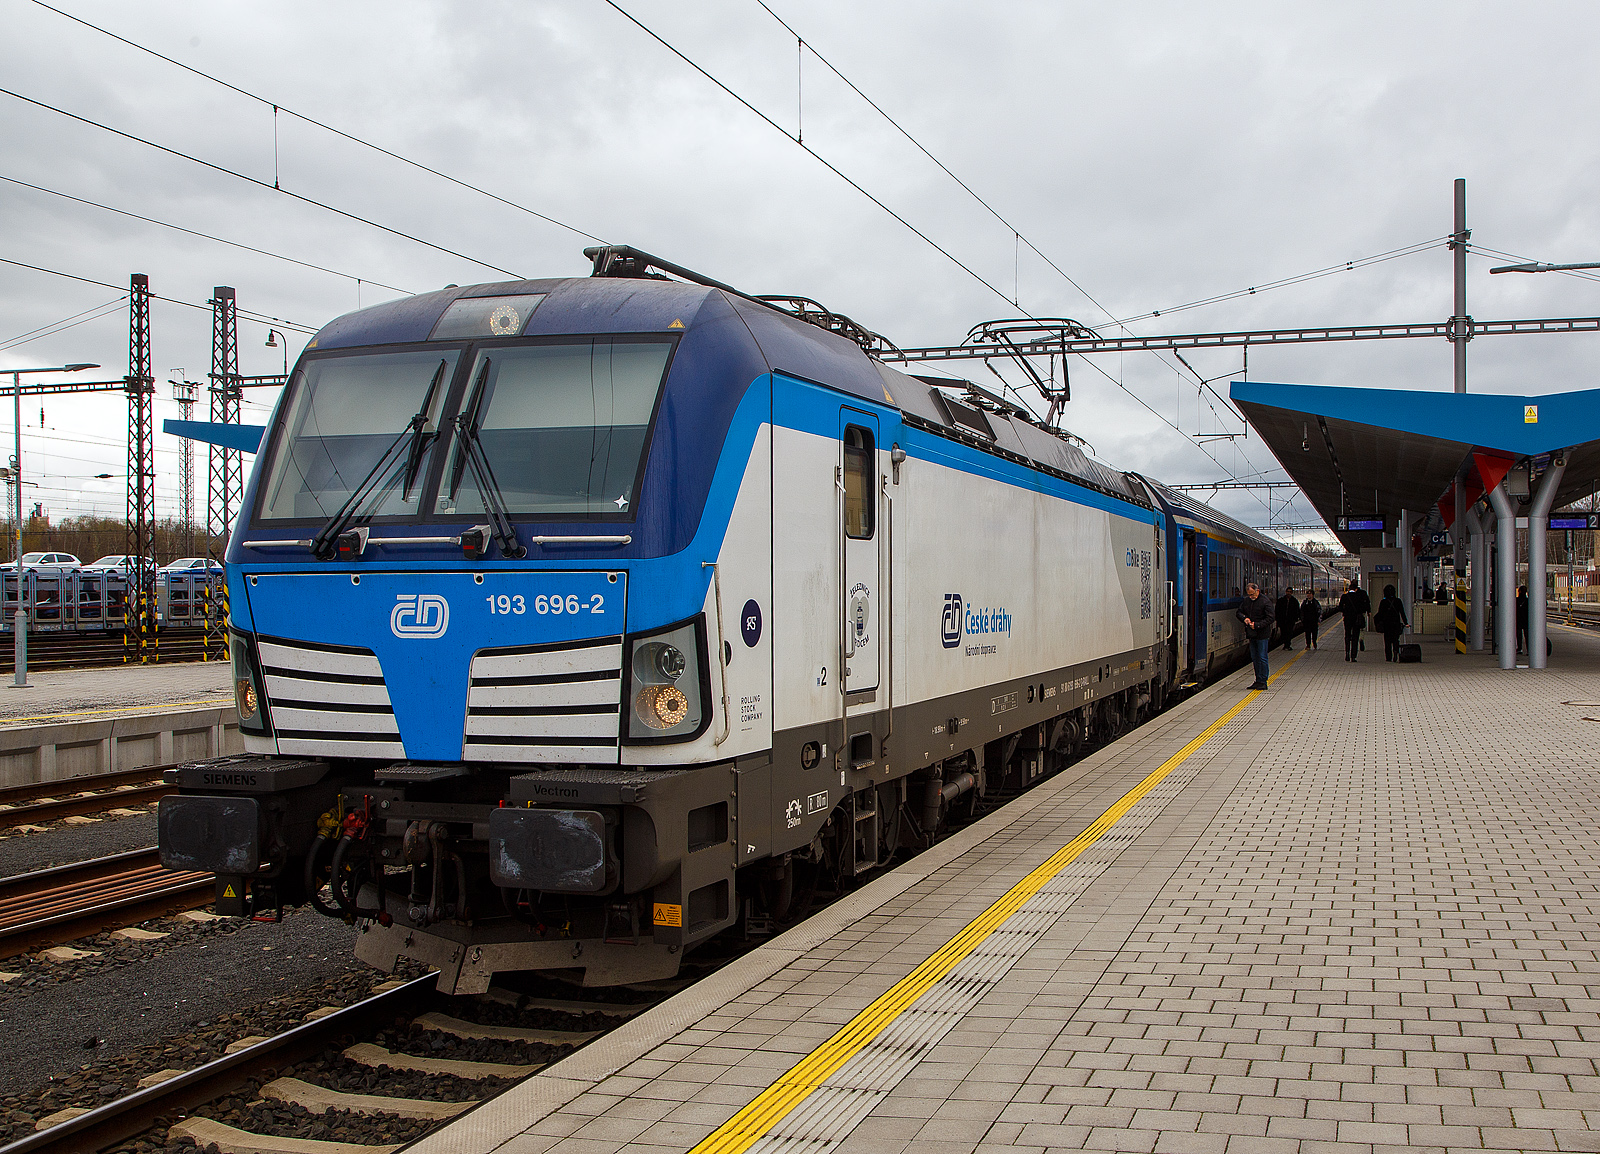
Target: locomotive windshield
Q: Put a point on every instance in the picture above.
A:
(562, 426)
(346, 412)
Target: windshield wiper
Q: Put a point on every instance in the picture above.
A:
(470, 454)
(325, 544)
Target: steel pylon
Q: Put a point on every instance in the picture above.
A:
(140, 640)
(225, 471)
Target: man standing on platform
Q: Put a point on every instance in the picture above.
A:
(1354, 607)
(1256, 614)
(1288, 613)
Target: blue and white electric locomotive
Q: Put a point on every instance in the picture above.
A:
(574, 620)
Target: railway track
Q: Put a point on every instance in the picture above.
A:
(52, 800)
(401, 1034)
(72, 901)
(88, 650)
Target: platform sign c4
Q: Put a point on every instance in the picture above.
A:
(668, 915)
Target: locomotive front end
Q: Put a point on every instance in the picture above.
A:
(461, 615)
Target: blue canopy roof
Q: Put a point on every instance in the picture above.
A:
(1358, 451)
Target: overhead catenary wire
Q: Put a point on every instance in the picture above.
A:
(76, 319)
(259, 318)
(1018, 237)
(202, 235)
(326, 127)
(901, 219)
(237, 175)
(824, 161)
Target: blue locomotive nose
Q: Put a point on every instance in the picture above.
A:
(451, 666)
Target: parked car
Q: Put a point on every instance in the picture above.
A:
(56, 561)
(193, 565)
(117, 561)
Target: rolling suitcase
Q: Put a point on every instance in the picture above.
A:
(1410, 654)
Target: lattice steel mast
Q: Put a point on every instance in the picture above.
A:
(185, 393)
(225, 472)
(140, 640)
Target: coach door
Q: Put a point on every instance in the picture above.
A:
(860, 536)
(1195, 561)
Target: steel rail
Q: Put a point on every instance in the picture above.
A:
(20, 794)
(122, 1119)
(67, 902)
(55, 810)
(1050, 343)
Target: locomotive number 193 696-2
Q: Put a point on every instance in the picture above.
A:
(516, 604)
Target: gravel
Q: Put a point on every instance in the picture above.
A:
(62, 843)
(98, 1010)
(423, 1043)
(336, 1072)
(98, 1077)
(284, 1120)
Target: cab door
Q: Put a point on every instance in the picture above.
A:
(861, 639)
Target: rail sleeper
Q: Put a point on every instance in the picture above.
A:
(230, 1140)
(320, 1098)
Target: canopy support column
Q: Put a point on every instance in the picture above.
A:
(1505, 610)
(1408, 564)
(1538, 523)
(1478, 521)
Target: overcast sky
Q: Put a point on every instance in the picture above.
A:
(1158, 154)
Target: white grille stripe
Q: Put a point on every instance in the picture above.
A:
(554, 754)
(333, 692)
(549, 663)
(599, 725)
(562, 693)
(333, 721)
(829, 1114)
(332, 747)
(315, 661)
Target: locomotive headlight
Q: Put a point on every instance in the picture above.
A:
(661, 706)
(247, 695)
(661, 662)
(667, 695)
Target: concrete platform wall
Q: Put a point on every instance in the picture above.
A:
(35, 753)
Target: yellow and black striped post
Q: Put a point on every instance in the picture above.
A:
(1461, 615)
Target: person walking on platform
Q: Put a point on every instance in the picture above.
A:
(1311, 617)
(1354, 607)
(1522, 619)
(1256, 614)
(1288, 613)
(1390, 619)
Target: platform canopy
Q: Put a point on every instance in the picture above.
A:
(1361, 454)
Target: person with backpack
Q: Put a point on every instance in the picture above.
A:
(1389, 620)
(1311, 617)
(1354, 607)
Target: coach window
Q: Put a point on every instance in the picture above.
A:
(859, 507)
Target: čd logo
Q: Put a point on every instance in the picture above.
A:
(419, 615)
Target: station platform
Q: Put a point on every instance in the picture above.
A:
(1358, 911)
(70, 723)
(69, 695)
